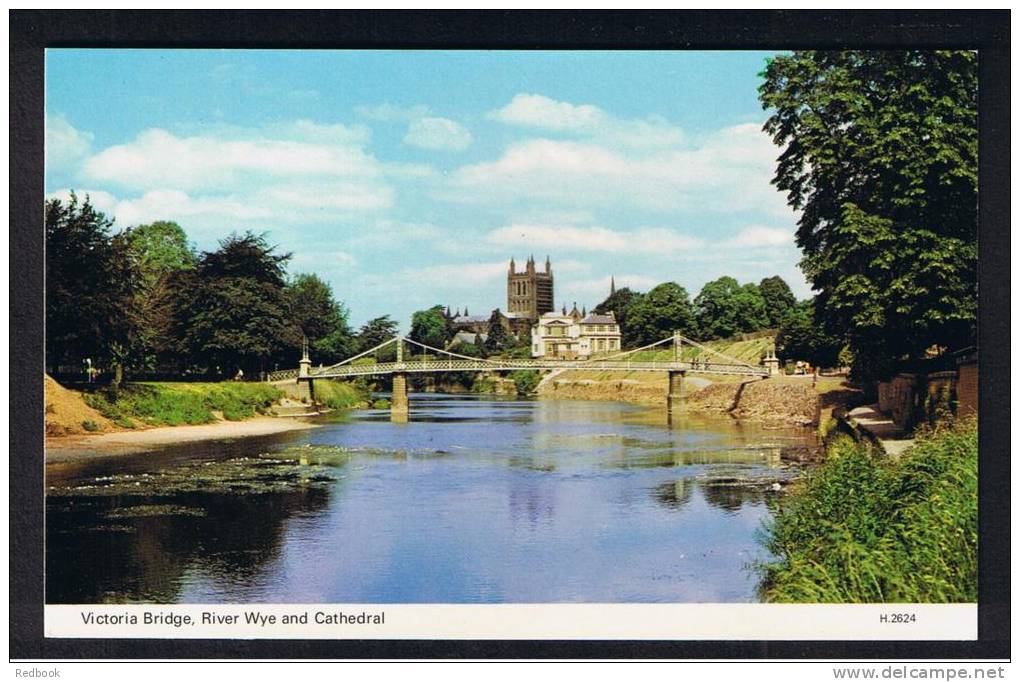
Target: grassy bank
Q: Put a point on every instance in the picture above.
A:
(864, 528)
(177, 403)
(338, 395)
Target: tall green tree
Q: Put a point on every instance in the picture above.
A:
(431, 327)
(880, 158)
(498, 338)
(319, 317)
(160, 250)
(374, 332)
(659, 313)
(233, 313)
(92, 281)
(779, 299)
(801, 337)
(724, 308)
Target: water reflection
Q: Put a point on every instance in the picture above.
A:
(472, 500)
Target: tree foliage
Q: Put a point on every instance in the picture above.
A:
(92, 282)
(724, 308)
(880, 157)
(319, 317)
(779, 300)
(801, 337)
(657, 314)
(498, 339)
(431, 327)
(233, 312)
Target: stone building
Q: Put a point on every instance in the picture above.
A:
(575, 335)
(529, 294)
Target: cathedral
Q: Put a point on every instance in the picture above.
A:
(529, 295)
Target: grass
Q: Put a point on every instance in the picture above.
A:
(177, 403)
(863, 528)
(338, 395)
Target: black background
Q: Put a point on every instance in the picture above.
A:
(32, 31)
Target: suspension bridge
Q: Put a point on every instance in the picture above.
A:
(426, 359)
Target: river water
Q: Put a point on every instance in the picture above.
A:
(475, 500)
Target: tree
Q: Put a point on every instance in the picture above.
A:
(779, 300)
(92, 282)
(319, 317)
(498, 339)
(659, 313)
(431, 327)
(800, 337)
(617, 303)
(160, 250)
(725, 308)
(373, 333)
(880, 158)
(232, 312)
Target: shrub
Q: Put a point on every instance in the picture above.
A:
(865, 528)
(526, 380)
(90, 426)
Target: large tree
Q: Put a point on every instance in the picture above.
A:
(319, 317)
(724, 308)
(660, 312)
(779, 300)
(431, 327)
(160, 250)
(92, 281)
(880, 158)
(232, 311)
(800, 337)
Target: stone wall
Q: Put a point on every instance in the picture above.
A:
(967, 385)
(914, 398)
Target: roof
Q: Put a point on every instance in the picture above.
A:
(470, 319)
(599, 319)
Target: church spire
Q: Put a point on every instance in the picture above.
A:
(612, 285)
(548, 265)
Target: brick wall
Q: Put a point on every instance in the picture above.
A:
(967, 388)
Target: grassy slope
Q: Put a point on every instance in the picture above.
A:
(866, 528)
(749, 351)
(176, 403)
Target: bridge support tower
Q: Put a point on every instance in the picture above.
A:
(399, 406)
(675, 396)
(306, 387)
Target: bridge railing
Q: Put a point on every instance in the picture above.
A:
(282, 375)
(454, 365)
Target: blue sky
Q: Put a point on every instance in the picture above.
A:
(409, 178)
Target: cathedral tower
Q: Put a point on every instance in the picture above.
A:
(529, 294)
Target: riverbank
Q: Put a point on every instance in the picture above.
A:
(77, 447)
(779, 399)
(865, 527)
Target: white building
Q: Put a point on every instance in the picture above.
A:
(573, 335)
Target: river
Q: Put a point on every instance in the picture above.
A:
(475, 500)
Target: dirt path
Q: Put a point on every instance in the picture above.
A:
(70, 448)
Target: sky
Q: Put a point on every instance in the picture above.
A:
(407, 179)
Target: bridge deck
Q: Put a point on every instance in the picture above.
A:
(453, 365)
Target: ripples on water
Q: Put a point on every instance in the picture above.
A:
(474, 500)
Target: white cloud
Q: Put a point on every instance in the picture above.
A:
(538, 111)
(104, 202)
(727, 171)
(761, 236)
(591, 238)
(65, 144)
(160, 159)
(437, 133)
